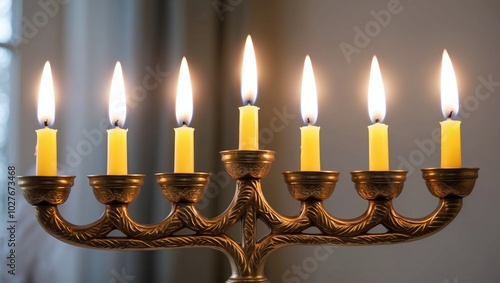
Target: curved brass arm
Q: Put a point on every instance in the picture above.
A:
(377, 210)
(121, 220)
(273, 242)
(218, 225)
(51, 220)
(221, 243)
(277, 222)
(400, 229)
(446, 211)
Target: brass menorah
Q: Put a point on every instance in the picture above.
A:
(248, 255)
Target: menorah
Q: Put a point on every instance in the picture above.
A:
(248, 255)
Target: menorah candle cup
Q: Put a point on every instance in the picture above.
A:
(379, 185)
(183, 187)
(43, 190)
(450, 182)
(247, 164)
(116, 189)
(311, 185)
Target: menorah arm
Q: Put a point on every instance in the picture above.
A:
(121, 220)
(376, 212)
(221, 243)
(272, 242)
(278, 222)
(45, 193)
(446, 211)
(450, 186)
(218, 225)
(51, 220)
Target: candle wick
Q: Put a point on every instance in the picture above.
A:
(451, 113)
(377, 120)
(308, 122)
(46, 122)
(116, 123)
(184, 123)
(249, 103)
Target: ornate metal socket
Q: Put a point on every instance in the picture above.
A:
(116, 189)
(43, 190)
(450, 182)
(311, 185)
(372, 185)
(183, 187)
(247, 164)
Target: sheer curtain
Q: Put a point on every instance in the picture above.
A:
(84, 39)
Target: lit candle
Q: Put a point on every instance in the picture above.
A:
(249, 115)
(117, 137)
(378, 142)
(46, 146)
(451, 155)
(184, 135)
(309, 135)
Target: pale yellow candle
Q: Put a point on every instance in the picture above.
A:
(451, 152)
(451, 156)
(249, 127)
(117, 151)
(46, 152)
(46, 146)
(184, 135)
(378, 141)
(184, 150)
(309, 135)
(378, 149)
(117, 137)
(249, 114)
(309, 148)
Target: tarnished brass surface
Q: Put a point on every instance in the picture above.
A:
(183, 187)
(450, 182)
(248, 255)
(373, 185)
(311, 185)
(247, 164)
(39, 190)
(115, 189)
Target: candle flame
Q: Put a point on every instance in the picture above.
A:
(184, 99)
(449, 90)
(309, 96)
(376, 94)
(249, 74)
(117, 98)
(46, 100)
